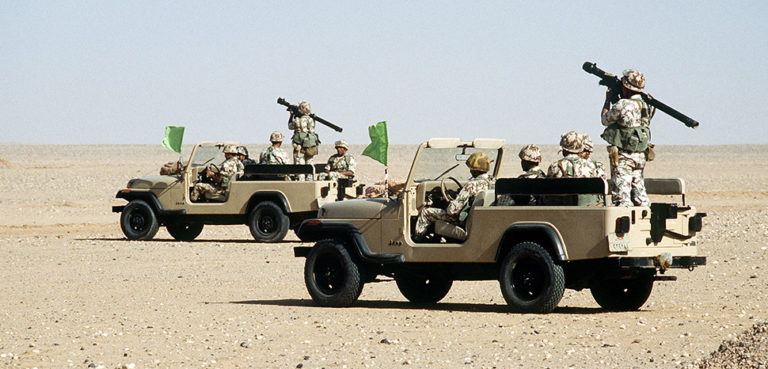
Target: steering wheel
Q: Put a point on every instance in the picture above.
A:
(447, 194)
(204, 173)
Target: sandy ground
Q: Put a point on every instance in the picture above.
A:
(75, 293)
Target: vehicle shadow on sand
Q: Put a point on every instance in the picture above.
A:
(404, 305)
(165, 240)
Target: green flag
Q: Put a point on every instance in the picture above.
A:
(377, 150)
(173, 138)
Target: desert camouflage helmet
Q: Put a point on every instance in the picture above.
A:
(276, 136)
(531, 153)
(633, 80)
(241, 150)
(341, 143)
(305, 108)
(230, 149)
(572, 142)
(479, 161)
(589, 146)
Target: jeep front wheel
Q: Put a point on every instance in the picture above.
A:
(622, 294)
(423, 289)
(138, 221)
(530, 281)
(331, 276)
(267, 222)
(184, 231)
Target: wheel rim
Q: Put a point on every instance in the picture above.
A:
(267, 223)
(528, 279)
(138, 221)
(329, 274)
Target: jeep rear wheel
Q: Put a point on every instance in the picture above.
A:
(267, 222)
(530, 281)
(622, 294)
(184, 231)
(138, 221)
(331, 276)
(423, 289)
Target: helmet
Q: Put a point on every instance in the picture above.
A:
(276, 136)
(531, 153)
(588, 145)
(341, 143)
(230, 149)
(633, 80)
(479, 161)
(572, 142)
(241, 150)
(305, 108)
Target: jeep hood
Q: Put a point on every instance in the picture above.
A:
(356, 209)
(152, 182)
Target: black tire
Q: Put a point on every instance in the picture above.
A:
(530, 281)
(268, 223)
(622, 294)
(423, 289)
(184, 231)
(138, 221)
(331, 276)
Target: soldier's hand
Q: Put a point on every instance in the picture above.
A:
(608, 94)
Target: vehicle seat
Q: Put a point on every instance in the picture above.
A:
(457, 232)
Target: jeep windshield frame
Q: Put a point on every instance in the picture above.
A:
(208, 152)
(442, 158)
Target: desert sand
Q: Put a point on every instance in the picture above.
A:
(75, 293)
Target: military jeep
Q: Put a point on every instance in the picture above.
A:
(534, 251)
(267, 198)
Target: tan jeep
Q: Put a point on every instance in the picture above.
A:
(535, 252)
(265, 198)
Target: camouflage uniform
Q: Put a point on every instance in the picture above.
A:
(303, 126)
(597, 168)
(571, 165)
(230, 169)
(339, 163)
(627, 184)
(429, 215)
(273, 155)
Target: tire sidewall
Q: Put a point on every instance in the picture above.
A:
(139, 208)
(352, 285)
(263, 209)
(554, 279)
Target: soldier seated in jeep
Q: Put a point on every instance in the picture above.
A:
(214, 182)
(457, 210)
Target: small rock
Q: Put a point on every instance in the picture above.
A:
(244, 344)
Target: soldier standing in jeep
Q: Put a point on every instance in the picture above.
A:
(628, 133)
(478, 164)
(304, 138)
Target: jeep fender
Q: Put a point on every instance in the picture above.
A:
(312, 230)
(148, 197)
(543, 233)
(277, 197)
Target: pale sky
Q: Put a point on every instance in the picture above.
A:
(110, 72)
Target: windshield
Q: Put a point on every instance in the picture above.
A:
(207, 154)
(436, 164)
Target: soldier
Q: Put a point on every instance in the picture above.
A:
(530, 159)
(304, 139)
(229, 171)
(571, 164)
(274, 154)
(242, 154)
(627, 133)
(478, 164)
(597, 168)
(341, 164)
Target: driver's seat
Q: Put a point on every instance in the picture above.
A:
(457, 232)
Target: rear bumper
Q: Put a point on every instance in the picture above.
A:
(685, 262)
